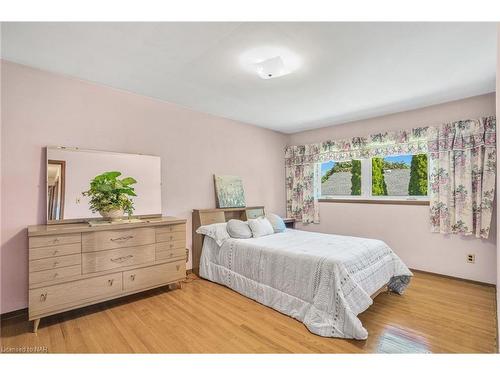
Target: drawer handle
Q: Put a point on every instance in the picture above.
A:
(55, 275)
(55, 240)
(132, 277)
(121, 259)
(55, 252)
(171, 245)
(171, 238)
(171, 255)
(43, 297)
(55, 263)
(110, 282)
(177, 267)
(123, 238)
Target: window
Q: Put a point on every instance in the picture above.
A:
(341, 178)
(398, 177)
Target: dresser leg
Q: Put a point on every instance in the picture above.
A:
(36, 323)
(179, 284)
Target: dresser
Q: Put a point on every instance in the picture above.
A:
(76, 265)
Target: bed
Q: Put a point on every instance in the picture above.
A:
(322, 280)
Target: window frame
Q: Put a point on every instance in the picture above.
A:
(366, 189)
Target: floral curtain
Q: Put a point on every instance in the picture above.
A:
(376, 145)
(462, 169)
(400, 142)
(301, 188)
(462, 158)
(303, 169)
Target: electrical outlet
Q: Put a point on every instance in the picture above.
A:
(471, 258)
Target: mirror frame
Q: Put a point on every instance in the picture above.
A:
(86, 219)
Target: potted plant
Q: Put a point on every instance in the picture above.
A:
(110, 196)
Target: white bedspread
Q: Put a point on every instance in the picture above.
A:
(322, 280)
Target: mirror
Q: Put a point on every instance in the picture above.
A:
(70, 170)
(56, 173)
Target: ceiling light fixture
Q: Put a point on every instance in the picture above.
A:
(270, 61)
(271, 68)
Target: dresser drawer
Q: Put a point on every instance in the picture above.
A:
(55, 274)
(106, 260)
(172, 236)
(171, 228)
(171, 254)
(54, 251)
(166, 246)
(54, 262)
(73, 293)
(154, 275)
(62, 239)
(112, 239)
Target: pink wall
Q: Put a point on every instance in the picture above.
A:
(406, 228)
(41, 108)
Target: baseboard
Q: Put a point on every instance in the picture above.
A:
(14, 314)
(454, 277)
(497, 305)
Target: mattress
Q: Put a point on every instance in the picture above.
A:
(322, 280)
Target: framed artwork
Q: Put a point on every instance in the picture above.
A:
(229, 192)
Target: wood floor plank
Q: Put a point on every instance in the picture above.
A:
(436, 314)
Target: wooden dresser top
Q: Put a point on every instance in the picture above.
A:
(54, 229)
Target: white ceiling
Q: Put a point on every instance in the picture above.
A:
(348, 71)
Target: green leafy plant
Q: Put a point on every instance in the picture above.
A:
(108, 192)
(418, 175)
(379, 186)
(395, 165)
(356, 177)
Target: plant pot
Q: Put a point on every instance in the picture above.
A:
(113, 214)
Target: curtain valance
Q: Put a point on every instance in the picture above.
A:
(376, 145)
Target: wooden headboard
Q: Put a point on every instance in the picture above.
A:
(217, 215)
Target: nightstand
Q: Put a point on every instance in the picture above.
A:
(289, 223)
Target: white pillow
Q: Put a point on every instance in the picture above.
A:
(277, 223)
(238, 229)
(216, 231)
(260, 227)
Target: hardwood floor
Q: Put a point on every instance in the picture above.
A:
(436, 314)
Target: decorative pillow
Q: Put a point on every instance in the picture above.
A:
(260, 227)
(277, 223)
(216, 231)
(238, 229)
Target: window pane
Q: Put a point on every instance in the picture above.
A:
(341, 178)
(402, 175)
